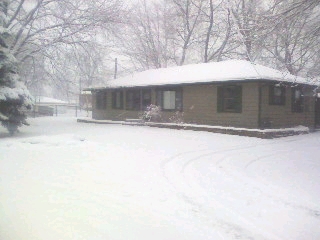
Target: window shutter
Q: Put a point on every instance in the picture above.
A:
(105, 100)
(179, 99)
(271, 95)
(293, 99)
(101, 100)
(283, 95)
(146, 98)
(121, 99)
(114, 97)
(159, 99)
(97, 101)
(297, 100)
(129, 100)
(220, 99)
(137, 100)
(238, 99)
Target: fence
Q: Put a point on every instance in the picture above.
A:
(59, 110)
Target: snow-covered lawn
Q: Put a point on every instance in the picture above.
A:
(60, 179)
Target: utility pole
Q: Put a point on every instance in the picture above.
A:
(115, 68)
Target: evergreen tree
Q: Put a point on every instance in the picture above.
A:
(15, 99)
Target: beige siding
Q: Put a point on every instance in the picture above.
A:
(119, 114)
(282, 116)
(97, 113)
(115, 114)
(199, 106)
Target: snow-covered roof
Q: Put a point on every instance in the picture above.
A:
(46, 100)
(231, 70)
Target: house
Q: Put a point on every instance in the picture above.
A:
(233, 93)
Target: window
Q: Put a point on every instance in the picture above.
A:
(170, 99)
(101, 100)
(138, 99)
(117, 100)
(277, 95)
(146, 99)
(230, 99)
(133, 100)
(297, 100)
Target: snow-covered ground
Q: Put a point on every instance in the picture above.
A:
(60, 179)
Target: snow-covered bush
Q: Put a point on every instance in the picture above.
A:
(152, 113)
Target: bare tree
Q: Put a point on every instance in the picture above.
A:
(40, 24)
(45, 30)
(293, 36)
(148, 37)
(218, 30)
(66, 71)
(188, 15)
(89, 63)
(298, 7)
(33, 73)
(248, 20)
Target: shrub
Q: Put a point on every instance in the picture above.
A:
(152, 113)
(177, 117)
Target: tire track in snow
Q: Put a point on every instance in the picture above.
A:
(258, 159)
(280, 199)
(206, 213)
(210, 153)
(237, 147)
(172, 182)
(182, 161)
(310, 211)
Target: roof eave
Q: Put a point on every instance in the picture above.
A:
(201, 83)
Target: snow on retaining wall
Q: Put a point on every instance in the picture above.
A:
(260, 133)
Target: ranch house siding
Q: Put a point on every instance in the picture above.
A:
(281, 116)
(98, 114)
(200, 106)
(117, 114)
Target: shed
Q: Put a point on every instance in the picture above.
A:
(45, 106)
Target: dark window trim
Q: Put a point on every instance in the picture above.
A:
(277, 100)
(136, 104)
(114, 99)
(140, 103)
(101, 100)
(297, 104)
(223, 99)
(145, 102)
(178, 101)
